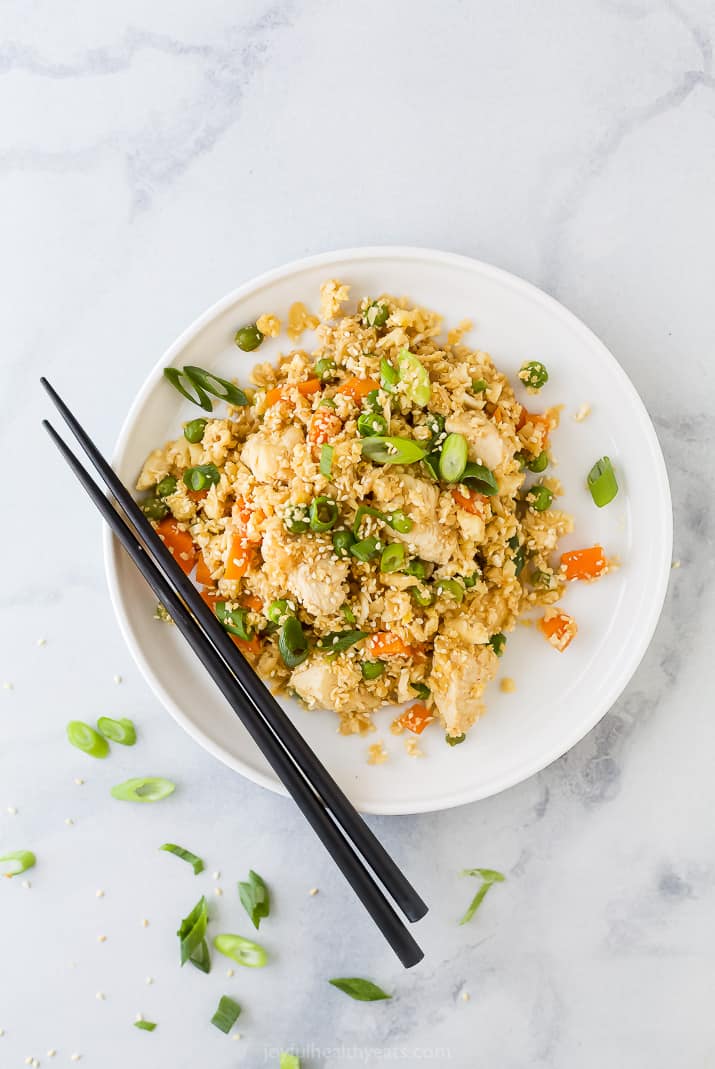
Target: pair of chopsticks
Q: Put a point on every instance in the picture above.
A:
(328, 811)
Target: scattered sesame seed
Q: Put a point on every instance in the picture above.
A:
(466, 996)
(51, 1052)
(42, 642)
(75, 1057)
(582, 412)
(68, 820)
(117, 680)
(79, 781)
(218, 891)
(145, 923)
(99, 893)
(7, 685)
(29, 1060)
(101, 939)
(26, 884)
(100, 996)
(230, 972)
(150, 980)
(236, 1035)
(12, 810)
(2, 1031)
(139, 1017)
(217, 875)
(313, 892)
(675, 564)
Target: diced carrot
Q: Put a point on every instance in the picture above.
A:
(242, 515)
(388, 644)
(357, 389)
(179, 543)
(251, 645)
(541, 425)
(203, 575)
(240, 558)
(250, 601)
(274, 396)
(416, 718)
(585, 564)
(471, 501)
(306, 389)
(210, 596)
(324, 425)
(559, 628)
(309, 387)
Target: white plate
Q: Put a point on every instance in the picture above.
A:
(558, 697)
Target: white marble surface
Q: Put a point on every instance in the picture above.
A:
(152, 156)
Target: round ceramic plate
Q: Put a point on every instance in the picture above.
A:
(558, 697)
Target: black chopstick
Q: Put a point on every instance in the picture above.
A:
(368, 892)
(265, 704)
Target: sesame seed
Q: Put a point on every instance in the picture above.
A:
(42, 642)
(75, 1057)
(68, 820)
(217, 875)
(2, 1031)
(51, 1052)
(101, 939)
(145, 923)
(149, 980)
(79, 781)
(29, 1060)
(675, 564)
(117, 680)
(12, 810)
(26, 884)
(7, 685)
(230, 972)
(218, 891)
(236, 1035)
(99, 893)
(313, 891)
(100, 996)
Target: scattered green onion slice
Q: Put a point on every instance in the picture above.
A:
(241, 950)
(479, 385)
(359, 989)
(541, 579)
(381, 450)
(453, 458)
(421, 690)
(372, 669)
(454, 740)
(337, 641)
(201, 477)
(145, 1026)
(342, 541)
(393, 557)
(292, 642)
(602, 482)
(519, 558)
(255, 898)
(326, 460)
(154, 509)
(417, 567)
(470, 580)
(376, 315)
(278, 610)
(185, 855)
(538, 464)
(479, 478)
(365, 550)
(234, 620)
(452, 587)
(399, 521)
(347, 613)
(327, 402)
(431, 462)
(498, 642)
(324, 513)
(296, 519)
(177, 377)
(87, 739)
(539, 497)
(534, 375)
(166, 487)
(366, 510)
(389, 376)
(143, 789)
(289, 1061)
(370, 424)
(121, 731)
(194, 430)
(19, 860)
(372, 401)
(226, 1014)
(248, 338)
(416, 378)
(220, 388)
(421, 596)
(325, 369)
(435, 425)
(489, 878)
(201, 957)
(192, 930)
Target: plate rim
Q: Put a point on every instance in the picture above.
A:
(551, 304)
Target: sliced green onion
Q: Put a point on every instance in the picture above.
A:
(479, 385)
(602, 482)
(453, 458)
(399, 521)
(248, 338)
(375, 315)
(326, 460)
(372, 401)
(185, 855)
(255, 898)
(145, 1026)
(327, 402)
(166, 487)
(366, 510)
(470, 580)
(278, 610)
(324, 513)
(519, 559)
(421, 596)
(289, 1061)
(431, 462)
(498, 642)
(365, 550)
(19, 860)
(337, 641)
(87, 739)
(454, 740)
(241, 950)
(177, 377)
(348, 614)
(143, 789)
(226, 1014)
(534, 375)
(479, 478)
(416, 378)
(370, 424)
(325, 369)
(359, 989)
(435, 425)
(372, 669)
(201, 477)
(296, 519)
(389, 376)
(192, 930)
(541, 579)
(194, 430)
(489, 878)
(421, 690)
(121, 731)
(538, 464)
(393, 557)
(292, 642)
(201, 957)
(342, 541)
(220, 388)
(539, 497)
(421, 569)
(235, 621)
(382, 450)
(154, 509)
(451, 587)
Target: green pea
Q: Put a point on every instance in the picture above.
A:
(372, 669)
(419, 568)
(539, 497)
(166, 487)
(194, 430)
(201, 477)
(534, 375)
(248, 338)
(342, 541)
(471, 580)
(451, 587)
(325, 369)
(154, 509)
(479, 385)
(296, 519)
(538, 464)
(278, 610)
(371, 423)
(453, 458)
(324, 513)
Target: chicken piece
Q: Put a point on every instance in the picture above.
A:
(315, 680)
(466, 627)
(484, 442)
(471, 526)
(320, 587)
(429, 540)
(458, 678)
(268, 459)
